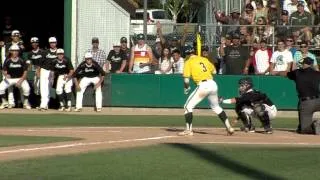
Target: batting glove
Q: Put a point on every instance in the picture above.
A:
(187, 90)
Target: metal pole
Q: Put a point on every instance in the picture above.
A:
(145, 6)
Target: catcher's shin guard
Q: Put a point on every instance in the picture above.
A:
(262, 114)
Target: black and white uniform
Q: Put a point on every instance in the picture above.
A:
(35, 57)
(89, 74)
(15, 68)
(254, 102)
(61, 69)
(46, 66)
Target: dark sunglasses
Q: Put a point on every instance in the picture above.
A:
(290, 40)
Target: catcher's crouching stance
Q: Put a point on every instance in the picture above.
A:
(252, 103)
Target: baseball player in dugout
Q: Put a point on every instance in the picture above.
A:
(63, 70)
(141, 57)
(252, 103)
(46, 76)
(307, 82)
(201, 71)
(88, 72)
(15, 73)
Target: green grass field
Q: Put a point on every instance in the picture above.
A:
(165, 161)
(173, 161)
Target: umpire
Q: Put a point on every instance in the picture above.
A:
(307, 84)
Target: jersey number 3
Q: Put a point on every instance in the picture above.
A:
(204, 69)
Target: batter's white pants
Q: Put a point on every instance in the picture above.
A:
(205, 89)
(45, 78)
(6, 83)
(84, 83)
(63, 85)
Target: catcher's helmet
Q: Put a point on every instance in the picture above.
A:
(245, 84)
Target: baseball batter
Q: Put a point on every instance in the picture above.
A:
(88, 72)
(46, 67)
(200, 70)
(63, 69)
(15, 74)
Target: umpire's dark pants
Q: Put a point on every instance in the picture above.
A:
(306, 109)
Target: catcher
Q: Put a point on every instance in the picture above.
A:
(252, 103)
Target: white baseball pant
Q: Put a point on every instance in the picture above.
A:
(84, 83)
(272, 111)
(6, 83)
(205, 89)
(45, 77)
(63, 85)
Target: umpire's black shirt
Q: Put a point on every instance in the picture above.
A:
(307, 82)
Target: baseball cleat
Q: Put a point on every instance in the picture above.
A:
(26, 106)
(230, 131)
(98, 109)
(77, 110)
(185, 133)
(4, 105)
(68, 109)
(61, 108)
(10, 106)
(268, 131)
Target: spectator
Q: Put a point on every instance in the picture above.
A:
(261, 59)
(282, 29)
(248, 15)
(245, 33)
(126, 50)
(117, 59)
(174, 42)
(98, 54)
(260, 11)
(315, 4)
(273, 14)
(165, 62)
(289, 45)
(302, 19)
(281, 60)
(141, 57)
(303, 53)
(236, 56)
(15, 39)
(178, 62)
(225, 42)
(291, 5)
(157, 50)
(265, 30)
(7, 30)
(205, 52)
(233, 21)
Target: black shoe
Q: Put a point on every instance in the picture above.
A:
(268, 130)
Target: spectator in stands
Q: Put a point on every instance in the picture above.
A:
(253, 3)
(281, 60)
(236, 56)
(291, 6)
(124, 47)
(117, 59)
(260, 11)
(245, 33)
(248, 15)
(262, 30)
(98, 54)
(178, 62)
(303, 19)
(261, 59)
(174, 42)
(165, 62)
(315, 4)
(233, 20)
(205, 52)
(290, 45)
(141, 57)
(273, 14)
(303, 53)
(225, 42)
(283, 27)
(157, 50)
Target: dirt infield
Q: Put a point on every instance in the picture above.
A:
(100, 138)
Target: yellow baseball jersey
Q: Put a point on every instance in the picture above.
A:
(198, 69)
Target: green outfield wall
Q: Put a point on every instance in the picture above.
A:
(148, 90)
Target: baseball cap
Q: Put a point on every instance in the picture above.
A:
(308, 61)
(300, 3)
(52, 40)
(285, 12)
(140, 37)
(60, 51)
(88, 55)
(34, 40)
(15, 33)
(95, 40)
(14, 47)
(235, 36)
(123, 40)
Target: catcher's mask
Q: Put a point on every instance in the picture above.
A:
(244, 85)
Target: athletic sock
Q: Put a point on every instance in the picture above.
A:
(223, 117)
(188, 117)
